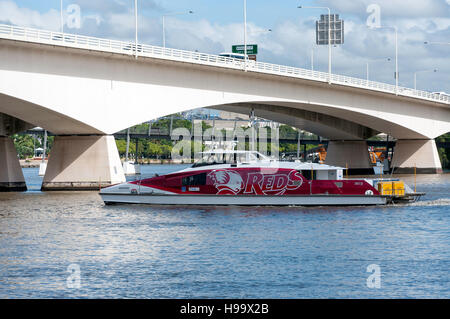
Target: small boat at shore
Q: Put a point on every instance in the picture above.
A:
(248, 178)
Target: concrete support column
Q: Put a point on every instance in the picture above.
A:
(11, 175)
(83, 163)
(422, 154)
(353, 154)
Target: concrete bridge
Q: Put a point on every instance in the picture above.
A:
(84, 89)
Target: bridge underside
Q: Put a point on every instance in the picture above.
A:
(323, 125)
(352, 153)
(348, 146)
(36, 115)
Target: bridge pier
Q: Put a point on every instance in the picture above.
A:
(351, 154)
(420, 154)
(11, 175)
(83, 163)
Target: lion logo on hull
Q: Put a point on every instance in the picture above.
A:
(227, 182)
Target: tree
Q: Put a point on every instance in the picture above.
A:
(25, 145)
(444, 153)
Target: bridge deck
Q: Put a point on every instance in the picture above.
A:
(149, 51)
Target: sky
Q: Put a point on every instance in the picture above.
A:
(216, 25)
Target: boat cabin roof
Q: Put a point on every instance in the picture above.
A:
(256, 154)
(222, 157)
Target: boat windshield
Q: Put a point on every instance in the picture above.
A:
(228, 158)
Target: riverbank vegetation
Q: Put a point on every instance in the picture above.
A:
(444, 153)
(162, 148)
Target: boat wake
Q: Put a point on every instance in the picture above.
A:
(436, 202)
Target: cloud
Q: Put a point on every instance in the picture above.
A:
(10, 13)
(391, 8)
(101, 5)
(117, 6)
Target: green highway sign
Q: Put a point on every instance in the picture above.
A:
(251, 49)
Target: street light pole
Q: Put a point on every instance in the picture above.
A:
(62, 17)
(252, 33)
(164, 30)
(258, 32)
(164, 22)
(367, 72)
(424, 71)
(396, 53)
(136, 27)
(329, 37)
(367, 66)
(440, 43)
(329, 44)
(396, 60)
(245, 35)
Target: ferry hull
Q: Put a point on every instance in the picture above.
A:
(242, 200)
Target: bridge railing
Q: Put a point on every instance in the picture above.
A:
(144, 50)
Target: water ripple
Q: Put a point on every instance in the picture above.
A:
(222, 252)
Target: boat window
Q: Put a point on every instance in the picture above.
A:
(248, 157)
(243, 158)
(307, 174)
(194, 180)
(252, 157)
(210, 159)
(229, 158)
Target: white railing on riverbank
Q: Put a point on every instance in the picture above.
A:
(143, 50)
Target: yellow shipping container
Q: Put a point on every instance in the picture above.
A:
(399, 188)
(391, 188)
(385, 188)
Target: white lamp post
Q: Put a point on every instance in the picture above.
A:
(164, 22)
(260, 31)
(312, 59)
(368, 62)
(266, 31)
(396, 53)
(329, 37)
(245, 35)
(439, 43)
(62, 17)
(136, 27)
(424, 71)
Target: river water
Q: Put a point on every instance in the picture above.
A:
(69, 245)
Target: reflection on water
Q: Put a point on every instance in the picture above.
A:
(221, 252)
